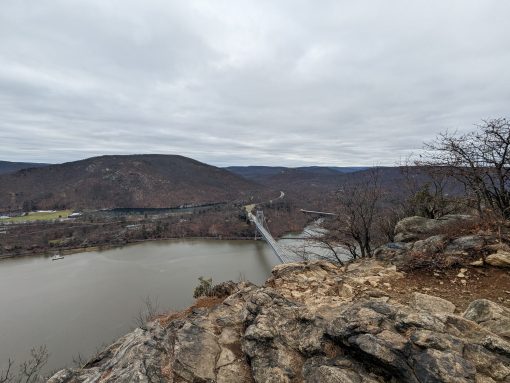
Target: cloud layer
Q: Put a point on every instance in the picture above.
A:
(289, 82)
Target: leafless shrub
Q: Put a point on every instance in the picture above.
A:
(241, 277)
(426, 261)
(148, 313)
(29, 371)
(78, 360)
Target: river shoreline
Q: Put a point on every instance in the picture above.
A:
(75, 250)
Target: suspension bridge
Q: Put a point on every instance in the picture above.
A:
(260, 223)
(261, 227)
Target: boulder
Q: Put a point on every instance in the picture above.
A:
(469, 244)
(431, 303)
(135, 355)
(499, 259)
(394, 251)
(430, 245)
(490, 315)
(411, 229)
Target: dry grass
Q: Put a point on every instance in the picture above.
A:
(38, 216)
(202, 302)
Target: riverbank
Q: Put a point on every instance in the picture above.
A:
(70, 251)
(219, 222)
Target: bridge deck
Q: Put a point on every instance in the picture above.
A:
(269, 239)
(317, 212)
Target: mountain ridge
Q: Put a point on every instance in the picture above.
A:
(140, 180)
(7, 167)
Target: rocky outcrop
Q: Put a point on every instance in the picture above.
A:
(416, 228)
(312, 322)
(424, 242)
(431, 304)
(136, 357)
(500, 259)
(490, 315)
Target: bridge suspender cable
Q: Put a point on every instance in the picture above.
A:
(258, 220)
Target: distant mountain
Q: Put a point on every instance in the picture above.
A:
(345, 169)
(123, 181)
(255, 173)
(262, 173)
(11, 167)
(301, 178)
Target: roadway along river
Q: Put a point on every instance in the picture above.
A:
(76, 305)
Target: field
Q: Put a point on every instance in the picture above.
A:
(38, 216)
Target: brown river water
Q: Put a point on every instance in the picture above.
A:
(77, 305)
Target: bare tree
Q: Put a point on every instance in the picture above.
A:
(387, 219)
(358, 205)
(353, 229)
(426, 190)
(29, 371)
(6, 375)
(321, 244)
(480, 160)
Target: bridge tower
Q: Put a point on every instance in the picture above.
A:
(260, 217)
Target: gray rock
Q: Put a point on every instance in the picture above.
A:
(196, 350)
(394, 251)
(499, 259)
(136, 357)
(430, 245)
(415, 228)
(486, 362)
(431, 303)
(335, 370)
(443, 366)
(469, 244)
(490, 315)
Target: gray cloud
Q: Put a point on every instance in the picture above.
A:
(292, 82)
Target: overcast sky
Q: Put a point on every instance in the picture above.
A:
(277, 82)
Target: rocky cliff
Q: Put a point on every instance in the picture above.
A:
(314, 322)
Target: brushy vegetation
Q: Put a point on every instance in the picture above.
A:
(204, 288)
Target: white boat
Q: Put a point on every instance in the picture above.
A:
(56, 257)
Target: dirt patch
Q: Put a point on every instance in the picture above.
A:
(478, 282)
(207, 302)
(201, 302)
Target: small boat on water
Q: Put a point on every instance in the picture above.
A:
(56, 257)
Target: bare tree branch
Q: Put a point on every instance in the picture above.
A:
(480, 160)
